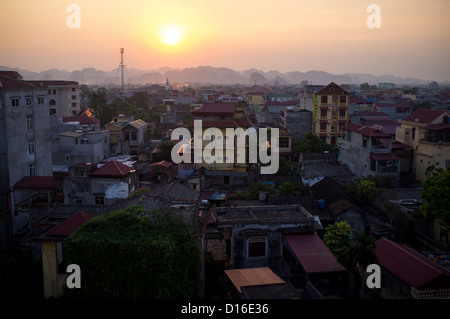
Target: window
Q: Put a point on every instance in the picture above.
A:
(74, 104)
(40, 100)
(342, 99)
(127, 137)
(323, 113)
(28, 101)
(52, 111)
(256, 247)
(323, 126)
(30, 146)
(74, 97)
(67, 158)
(52, 102)
(324, 99)
(49, 92)
(100, 199)
(342, 113)
(364, 142)
(29, 122)
(73, 90)
(15, 101)
(133, 136)
(284, 142)
(33, 169)
(79, 201)
(54, 92)
(413, 133)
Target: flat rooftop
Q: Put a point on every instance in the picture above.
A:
(273, 214)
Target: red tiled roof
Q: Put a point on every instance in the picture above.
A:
(312, 253)
(410, 266)
(7, 82)
(52, 82)
(38, 182)
(439, 127)
(332, 89)
(398, 145)
(364, 130)
(424, 115)
(384, 157)
(215, 108)
(162, 163)
(112, 169)
(71, 224)
(244, 122)
(83, 118)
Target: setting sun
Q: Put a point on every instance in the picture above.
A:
(171, 35)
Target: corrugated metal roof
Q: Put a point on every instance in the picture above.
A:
(424, 115)
(252, 277)
(410, 266)
(312, 253)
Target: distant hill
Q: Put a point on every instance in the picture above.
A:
(210, 75)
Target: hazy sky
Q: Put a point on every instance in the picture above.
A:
(284, 35)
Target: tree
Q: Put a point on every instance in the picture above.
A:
(310, 143)
(165, 150)
(361, 252)
(338, 240)
(435, 195)
(366, 190)
(287, 188)
(134, 253)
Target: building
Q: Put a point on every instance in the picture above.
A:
(135, 133)
(406, 274)
(118, 145)
(330, 112)
(54, 274)
(297, 121)
(63, 96)
(396, 110)
(427, 132)
(306, 96)
(92, 184)
(25, 143)
(223, 170)
(367, 151)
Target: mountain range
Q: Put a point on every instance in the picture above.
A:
(210, 75)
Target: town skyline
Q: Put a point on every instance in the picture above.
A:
(290, 36)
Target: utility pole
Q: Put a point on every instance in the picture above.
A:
(122, 66)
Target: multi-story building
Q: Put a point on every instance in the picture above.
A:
(63, 96)
(427, 132)
(367, 151)
(223, 170)
(297, 121)
(330, 112)
(25, 144)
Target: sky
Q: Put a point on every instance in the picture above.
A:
(413, 38)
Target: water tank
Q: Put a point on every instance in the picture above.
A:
(321, 204)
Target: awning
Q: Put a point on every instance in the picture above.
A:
(312, 253)
(384, 157)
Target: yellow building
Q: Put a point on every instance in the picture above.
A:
(330, 111)
(428, 133)
(53, 266)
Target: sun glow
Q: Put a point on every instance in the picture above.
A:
(171, 35)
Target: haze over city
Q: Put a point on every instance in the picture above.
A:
(286, 35)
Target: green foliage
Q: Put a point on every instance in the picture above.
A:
(361, 252)
(310, 143)
(133, 253)
(435, 196)
(287, 188)
(286, 168)
(165, 150)
(366, 190)
(256, 187)
(338, 239)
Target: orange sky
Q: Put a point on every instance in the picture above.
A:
(283, 35)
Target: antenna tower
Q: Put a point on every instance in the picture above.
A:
(121, 67)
